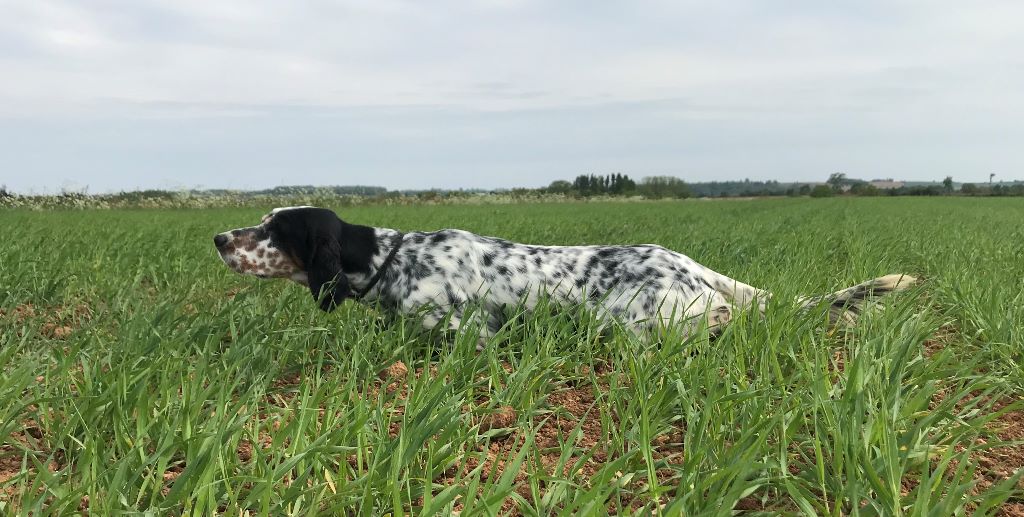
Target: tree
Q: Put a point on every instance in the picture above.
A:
(948, 184)
(582, 185)
(969, 189)
(836, 180)
(864, 189)
(560, 187)
(657, 187)
(822, 191)
(593, 184)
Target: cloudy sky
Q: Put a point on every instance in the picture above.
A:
(122, 94)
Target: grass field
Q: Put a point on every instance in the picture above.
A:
(140, 375)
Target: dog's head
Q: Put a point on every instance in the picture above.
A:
(311, 246)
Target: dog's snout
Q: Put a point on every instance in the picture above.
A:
(220, 240)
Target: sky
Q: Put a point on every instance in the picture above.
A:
(108, 95)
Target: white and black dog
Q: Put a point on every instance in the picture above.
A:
(439, 274)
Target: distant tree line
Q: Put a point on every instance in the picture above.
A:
(583, 186)
(839, 184)
(651, 187)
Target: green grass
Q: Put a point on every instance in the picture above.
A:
(147, 378)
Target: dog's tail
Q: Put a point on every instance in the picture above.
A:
(845, 306)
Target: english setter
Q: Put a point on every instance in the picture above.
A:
(439, 274)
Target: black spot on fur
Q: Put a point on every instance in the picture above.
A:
(420, 271)
(453, 298)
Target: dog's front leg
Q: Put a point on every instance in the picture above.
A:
(455, 319)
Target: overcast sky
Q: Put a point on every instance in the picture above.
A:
(124, 94)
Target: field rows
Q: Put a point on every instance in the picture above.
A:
(140, 375)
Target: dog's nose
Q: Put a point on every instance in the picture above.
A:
(220, 240)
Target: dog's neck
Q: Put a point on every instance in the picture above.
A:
(360, 278)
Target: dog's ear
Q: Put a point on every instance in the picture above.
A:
(326, 248)
(327, 280)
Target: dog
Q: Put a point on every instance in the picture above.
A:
(440, 274)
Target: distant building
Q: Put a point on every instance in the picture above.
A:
(886, 184)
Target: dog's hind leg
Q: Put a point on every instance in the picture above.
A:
(718, 317)
(741, 295)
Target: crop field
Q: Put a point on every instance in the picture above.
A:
(141, 376)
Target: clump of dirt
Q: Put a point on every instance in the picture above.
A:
(396, 371)
(244, 450)
(394, 376)
(55, 331)
(504, 417)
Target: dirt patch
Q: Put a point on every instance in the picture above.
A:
(566, 411)
(12, 452)
(1002, 462)
(169, 476)
(58, 322)
(20, 313)
(289, 380)
(1011, 510)
(504, 417)
(55, 331)
(998, 461)
(574, 406)
(246, 447)
(938, 341)
(10, 464)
